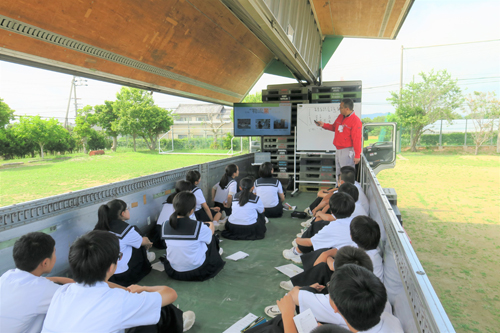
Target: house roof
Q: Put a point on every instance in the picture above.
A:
(199, 109)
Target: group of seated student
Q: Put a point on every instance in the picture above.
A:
(347, 175)
(87, 303)
(342, 281)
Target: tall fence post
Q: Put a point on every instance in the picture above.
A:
(441, 135)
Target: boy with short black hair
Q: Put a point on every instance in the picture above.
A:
(365, 232)
(327, 235)
(94, 305)
(360, 298)
(25, 295)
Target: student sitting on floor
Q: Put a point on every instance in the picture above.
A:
(25, 295)
(223, 191)
(325, 312)
(350, 177)
(94, 305)
(315, 295)
(270, 191)
(365, 233)
(247, 222)
(166, 211)
(326, 235)
(192, 249)
(135, 263)
(202, 212)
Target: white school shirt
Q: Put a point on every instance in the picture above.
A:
(268, 189)
(24, 301)
(247, 214)
(323, 311)
(378, 263)
(186, 255)
(362, 198)
(221, 194)
(80, 308)
(334, 235)
(200, 198)
(128, 238)
(358, 210)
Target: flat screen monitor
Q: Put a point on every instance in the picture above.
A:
(257, 119)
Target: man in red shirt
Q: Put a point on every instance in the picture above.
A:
(347, 139)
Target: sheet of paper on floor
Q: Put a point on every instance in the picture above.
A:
(241, 324)
(237, 256)
(290, 270)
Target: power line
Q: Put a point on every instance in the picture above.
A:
(439, 45)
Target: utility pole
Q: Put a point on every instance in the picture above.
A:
(75, 81)
(69, 102)
(401, 75)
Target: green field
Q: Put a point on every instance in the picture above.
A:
(41, 179)
(451, 211)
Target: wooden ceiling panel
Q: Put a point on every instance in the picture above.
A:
(201, 40)
(323, 13)
(393, 23)
(360, 18)
(43, 49)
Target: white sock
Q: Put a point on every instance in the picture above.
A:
(295, 252)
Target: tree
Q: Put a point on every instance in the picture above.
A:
(215, 122)
(482, 108)
(422, 103)
(138, 115)
(39, 131)
(107, 119)
(6, 114)
(84, 121)
(254, 98)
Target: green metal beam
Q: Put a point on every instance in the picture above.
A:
(330, 45)
(276, 67)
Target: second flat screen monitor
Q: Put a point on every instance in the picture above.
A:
(256, 119)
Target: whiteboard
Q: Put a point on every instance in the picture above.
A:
(311, 137)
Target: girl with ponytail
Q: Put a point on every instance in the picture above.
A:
(202, 211)
(247, 222)
(193, 252)
(135, 261)
(166, 211)
(223, 191)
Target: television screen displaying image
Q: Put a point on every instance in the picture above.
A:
(256, 119)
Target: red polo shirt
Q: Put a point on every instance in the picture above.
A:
(351, 134)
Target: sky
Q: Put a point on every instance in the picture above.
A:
(476, 65)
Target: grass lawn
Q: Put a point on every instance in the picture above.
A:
(41, 179)
(451, 211)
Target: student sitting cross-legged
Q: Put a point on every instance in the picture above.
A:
(166, 211)
(365, 233)
(247, 222)
(368, 290)
(270, 191)
(327, 235)
(135, 263)
(92, 304)
(192, 248)
(202, 211)
(24, 294)
(223, 191)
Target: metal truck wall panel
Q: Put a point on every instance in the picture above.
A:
(67, 216)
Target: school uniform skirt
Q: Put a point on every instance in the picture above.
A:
(138, 267)
(246, 232)
(276, 211)
(155, 237)
(202, 216)
(222, 208)
(212, 265)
